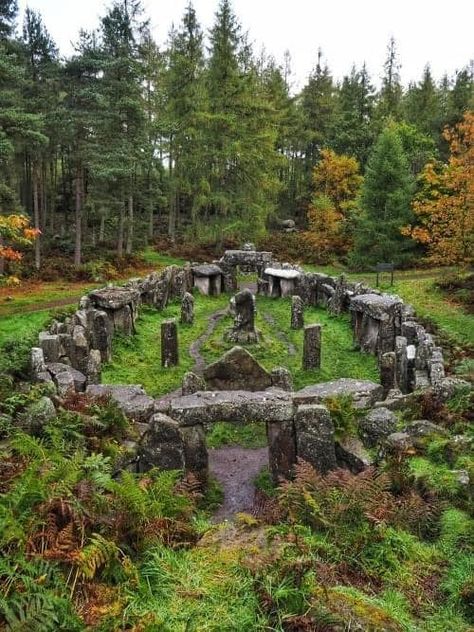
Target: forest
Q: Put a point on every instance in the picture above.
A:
(203, 140)
(215, 414)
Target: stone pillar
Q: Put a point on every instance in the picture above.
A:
(297, 312)
(243, 309)
(314, 432)
(187, 309)
(196, 460)
(282, 378)
(388, 371)
(281, 449)
(402, 363)
(169, 343)
(192, 383)
(162, 445)
(312, 347)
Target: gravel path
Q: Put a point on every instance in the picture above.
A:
(236, 468)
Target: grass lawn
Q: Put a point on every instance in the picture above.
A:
(137, 360)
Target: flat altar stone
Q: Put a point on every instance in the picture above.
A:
(131, 399)
(114, 298)
(282, 274)
(364, 393)
(233, 406)
(206, 270)
(376, 305)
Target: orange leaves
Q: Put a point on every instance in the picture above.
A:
(15, 230)
(445, 204)
(337, 176)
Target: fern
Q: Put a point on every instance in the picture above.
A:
(97, 554)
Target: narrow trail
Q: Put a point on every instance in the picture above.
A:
(236, 468)
(195, 347)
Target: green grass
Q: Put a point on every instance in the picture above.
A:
(417, 287)
(252, 435)
(137, 360)
(338, 356)
(154, 258)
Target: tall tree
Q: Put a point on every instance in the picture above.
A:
(385, 204)
(390, 96)
(422, 105)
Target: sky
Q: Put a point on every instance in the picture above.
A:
(348, 31)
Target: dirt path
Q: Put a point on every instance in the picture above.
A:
(195, 348)
(236, 468)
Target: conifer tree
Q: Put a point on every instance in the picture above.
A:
(385, 204)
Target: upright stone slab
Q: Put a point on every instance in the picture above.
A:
(315, 437)
(243, 308)
(402, 363)
(196, 459)
(312, 347)
(297, 312)
(187, 309)
(337, 302)
(388, 371)
(169, 343)
(281, 449)
(161, 446)
(282, 378)
(192, 383)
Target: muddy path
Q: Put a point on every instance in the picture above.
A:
(236, 468)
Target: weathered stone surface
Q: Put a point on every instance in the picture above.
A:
(37, 364)
(208, 279)
(423, 427)
(398, 442)
(282, 378)
(114, 298)
(50, 345)
(79, 352)
(242, 306)
(376, 425)
(76, 379)
(297, 312)
(436, 371)
(237, 370)
(376, 321)
(187, 309)
(101, 331)
(364, 393)
(315, 437)
(421, 380)
(448, 386)
(312, 347)
(338, 302)
(196, 459)
(206, 270)
(37, 415)
(161, 445)
(402, 363)
(351, 454)
(281, 449)
(131, 399)
(169, 343)
(388, 371)
(376, 305)
(192, 383)
(233, 406)
(282, 273)
(94, 366)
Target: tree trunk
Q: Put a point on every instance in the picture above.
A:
(151, 220)
(102, 229)
(129, 245)
(121, 230)
(78, 217)
(36, 217)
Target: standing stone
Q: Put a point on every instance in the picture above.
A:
(161, 446)
(388, 371)
(297, 312)
(337, 302)
(187, 309)
(39, 372)
(281, 449)
(312, 347)
(169, 343)
(282, 378)
(243, 308)
(196, 459)
(315, 437)
(192, 383)
(94, 367)
(402, 363)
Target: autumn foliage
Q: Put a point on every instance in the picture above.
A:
(444, 205)
(336, 183)
(15, 231)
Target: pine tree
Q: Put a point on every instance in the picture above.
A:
(385, 204)
(390, 96)
(422, 105)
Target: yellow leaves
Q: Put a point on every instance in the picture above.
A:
(337, 177)
(445, 204)
(15, 230)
